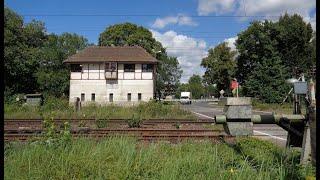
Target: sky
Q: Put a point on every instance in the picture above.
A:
(186, 28)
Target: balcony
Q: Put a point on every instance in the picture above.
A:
(111, 75)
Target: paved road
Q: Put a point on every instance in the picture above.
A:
(270, 132)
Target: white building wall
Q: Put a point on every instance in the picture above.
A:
(93, 81)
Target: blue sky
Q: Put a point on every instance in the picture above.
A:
(187, 28)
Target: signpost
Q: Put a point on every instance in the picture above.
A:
(235, 87)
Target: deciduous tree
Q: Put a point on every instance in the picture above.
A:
(195, 86)
(220, 66)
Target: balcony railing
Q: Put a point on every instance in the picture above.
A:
(111, 75)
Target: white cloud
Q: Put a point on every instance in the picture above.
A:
(276, 7)
(206, 7)
(179, 20)
(259, 8)
(189, 51)
(231, 42)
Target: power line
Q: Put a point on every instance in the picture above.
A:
(145, 15)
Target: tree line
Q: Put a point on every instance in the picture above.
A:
(267, 53)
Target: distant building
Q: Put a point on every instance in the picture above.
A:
(112, 74)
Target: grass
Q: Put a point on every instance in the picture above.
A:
(285, 108)
(277, 108)
(125, 158)
(59, 108)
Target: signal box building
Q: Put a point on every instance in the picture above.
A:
(122, 75)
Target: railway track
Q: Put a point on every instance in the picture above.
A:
(38, 123)
(141, 134)
(28, 129)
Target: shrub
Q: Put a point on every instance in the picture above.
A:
(135, 121)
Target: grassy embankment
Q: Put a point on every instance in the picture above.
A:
(59, 108)
(124, 158)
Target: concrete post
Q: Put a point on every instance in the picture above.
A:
(312, 120)
(306, 145)
(77, 103)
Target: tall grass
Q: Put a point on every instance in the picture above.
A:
(125, 158)
(285, 108)
(59, 108)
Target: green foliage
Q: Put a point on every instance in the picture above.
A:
(294, 43)
(220, 67)
(51, 137)
(21, 52)
(101, 123)
(129, 34)
(168, 70)
(195, 86)
(125, 158)
(267, 82)
(256, 44)
(271, 52)
(53, 75)
(181, 88)
(61, 109)
(169, 74)
(211, 90)
(135, 121)
(34, 58)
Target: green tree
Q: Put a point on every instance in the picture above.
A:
(211, 90)
(294, 43)
(195, 86)
(53, 75)
(267, 81)
(257, 42)
(220, 67)
(282, 46)
(168, 70)
(169, 74)
(21, 52)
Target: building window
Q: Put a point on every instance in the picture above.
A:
(147, 67)
(82, 97)
(129, 96)
(139, 96)
(111, 97)
(93, 97)
(76, 68)
(110, 66)
(129, 67)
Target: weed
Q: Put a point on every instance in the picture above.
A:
(101, 123)
(61, 109)
(177, 125)
(83, 123)
(135, 121)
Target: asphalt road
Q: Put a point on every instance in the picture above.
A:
(271, 132)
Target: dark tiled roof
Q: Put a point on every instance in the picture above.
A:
(106, 53)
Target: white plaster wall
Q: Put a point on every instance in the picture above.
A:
(119, 88)
(147, 75)
(128, 75)
(94, 71)
(75, 75)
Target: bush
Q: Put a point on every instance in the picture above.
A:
(135, 121)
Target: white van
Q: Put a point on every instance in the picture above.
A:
(185, 98)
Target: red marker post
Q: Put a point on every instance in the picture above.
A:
(234, 86)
